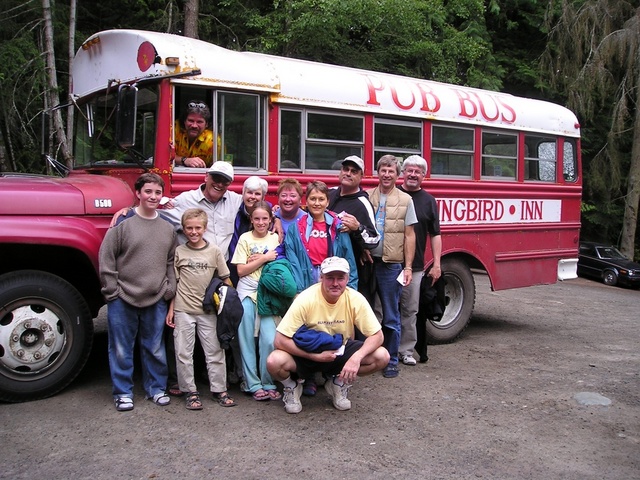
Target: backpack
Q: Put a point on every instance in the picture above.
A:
(223, 300)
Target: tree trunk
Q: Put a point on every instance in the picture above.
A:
(72, 48)
(191, 11)
(54, 101)
(632, 199)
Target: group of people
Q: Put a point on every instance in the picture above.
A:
(309, 281)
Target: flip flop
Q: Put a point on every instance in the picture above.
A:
(273, 394)
(174, 391)
(261, 395)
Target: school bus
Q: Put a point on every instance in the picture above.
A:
(505, 170)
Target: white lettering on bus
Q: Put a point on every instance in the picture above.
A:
(465, 211)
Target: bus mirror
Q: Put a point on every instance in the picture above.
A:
(126, 116)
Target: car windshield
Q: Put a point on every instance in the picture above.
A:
(609, 252)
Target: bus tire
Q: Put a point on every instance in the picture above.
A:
(460, 295)
(46, 334)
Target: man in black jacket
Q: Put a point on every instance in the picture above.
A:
(352, 205)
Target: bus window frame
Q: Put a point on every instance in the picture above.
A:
(451, 151)
(539, 139)
(355, 147)
(482, 155)
(380, 150)
(260, 128)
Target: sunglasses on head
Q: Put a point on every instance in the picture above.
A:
(196, 105)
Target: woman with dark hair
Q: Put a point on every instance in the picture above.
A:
(316, 236)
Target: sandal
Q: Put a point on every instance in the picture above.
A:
(390, 371)
(161, 399)
(193, 401)
(261, 396)
(273, 394)
(124, 404)
(224, 399)
(174, 391)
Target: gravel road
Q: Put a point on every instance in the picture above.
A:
(511, 399)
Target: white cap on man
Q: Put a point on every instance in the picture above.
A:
(357, 161)
(222, 168)
(334, 264)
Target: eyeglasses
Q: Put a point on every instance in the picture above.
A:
(351, 170)
(414, 171)
(197, 105)
(221, 179)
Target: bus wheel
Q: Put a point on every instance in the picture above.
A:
(460, 294)
(46, 333)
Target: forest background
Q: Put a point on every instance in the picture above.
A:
(584, 54)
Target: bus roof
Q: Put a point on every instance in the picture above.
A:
(128, 55)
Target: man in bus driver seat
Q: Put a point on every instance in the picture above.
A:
(193, 140)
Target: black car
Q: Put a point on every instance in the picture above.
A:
(607, 264)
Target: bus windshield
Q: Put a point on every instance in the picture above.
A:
(96, 131)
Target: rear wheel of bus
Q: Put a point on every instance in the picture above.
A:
(46, 334)
(460, 297)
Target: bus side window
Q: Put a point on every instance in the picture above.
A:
(239, 122)
(540, 158)
(396, 137)
(330, 138)
(569, 161)
(290, 139)
(452, 151)
(499, 155)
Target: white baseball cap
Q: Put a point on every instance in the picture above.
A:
(222, 168)
(334, 264)
(357, 161)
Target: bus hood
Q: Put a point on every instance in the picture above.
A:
(23, 194)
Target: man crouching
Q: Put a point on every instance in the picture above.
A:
(317, 335)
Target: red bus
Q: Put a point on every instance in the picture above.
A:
(505, 170)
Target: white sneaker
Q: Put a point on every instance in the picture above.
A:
(291, 399)
(408, 360)
(338, 394)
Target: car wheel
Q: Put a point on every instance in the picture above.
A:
(609, 277)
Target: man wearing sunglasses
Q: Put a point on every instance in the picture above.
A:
(193, 140)
(215, 198)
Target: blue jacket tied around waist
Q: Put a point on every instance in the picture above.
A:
(313, 341)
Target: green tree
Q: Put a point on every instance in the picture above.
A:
(433, 39)
(22, 83)
(594, 56)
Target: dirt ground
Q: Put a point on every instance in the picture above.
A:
(500, 403)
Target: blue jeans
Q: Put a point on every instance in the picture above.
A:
(256, 376)
(389, 291)
(126, 323)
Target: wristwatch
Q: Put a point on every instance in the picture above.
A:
(182, 161)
